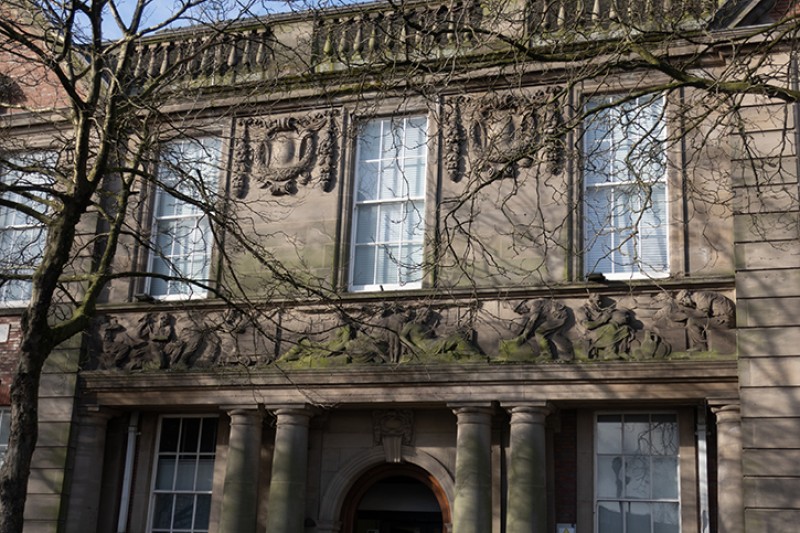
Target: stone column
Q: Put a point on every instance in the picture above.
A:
(87, 477)
(287, 489)
(527, 470)
(730, 516)
(472, 508)
(240, 492)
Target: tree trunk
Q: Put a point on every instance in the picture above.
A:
(15, 471)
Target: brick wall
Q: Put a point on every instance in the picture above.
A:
(565, 456)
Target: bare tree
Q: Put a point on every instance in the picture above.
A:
(125, 124)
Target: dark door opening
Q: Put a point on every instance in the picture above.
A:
(396, 499)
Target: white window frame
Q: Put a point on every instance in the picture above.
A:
(154, 491)
(201, 227)
(623, 175)
(22, 224)
(417, 202)
(627, 500)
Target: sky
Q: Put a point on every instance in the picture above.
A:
(158, 11)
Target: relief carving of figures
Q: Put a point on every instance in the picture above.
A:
(234, 326)
(282, 153)
(117, 345)
(155, 342)
(505, 133)
(420, 339)
(542, 333)
(157, 330)
(700, 313)
(608, 329)
(398, 335)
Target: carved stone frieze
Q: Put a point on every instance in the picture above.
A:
(391, 335)
(679, 324)
(609, 333)
(281, 153)
(163, 341)
(542, 333)
(705, 317)
(503, 134)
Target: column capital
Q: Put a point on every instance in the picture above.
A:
(472, 408)
(725, 409)
(245, 416)
(531, 412)
(293, 414)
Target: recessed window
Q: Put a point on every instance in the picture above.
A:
(22, 235)
(389, 207)
(181, 496)
(637, 482)
(625, 188)
(5, 431)
(182, 238)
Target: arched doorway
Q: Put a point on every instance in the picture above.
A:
(395, 499)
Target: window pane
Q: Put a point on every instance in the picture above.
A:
(368, 181)
(208, 439)
(636, 434)
(367, 224)
(184, 511)
(202, 512)
(189, 434)
(185, 477)
(665, 478)
(664, 435)
(388, 269)
(166, 473)
(392, 218)
(162, 512)
(414, 178)
(5, 426)
(666, 518)
(364, 265)
(637, 477)
(411, 264)
(169, 434)
(609, 477)
(415, 222)
(609, 434)
(205, 473)
(609, 517)
(638, 518)
(369, 140)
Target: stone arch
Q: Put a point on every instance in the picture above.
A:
(339, 487)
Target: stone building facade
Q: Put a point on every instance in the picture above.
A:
(484, 349)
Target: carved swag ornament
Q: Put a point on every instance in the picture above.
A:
(281, 153)
(503, 134)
